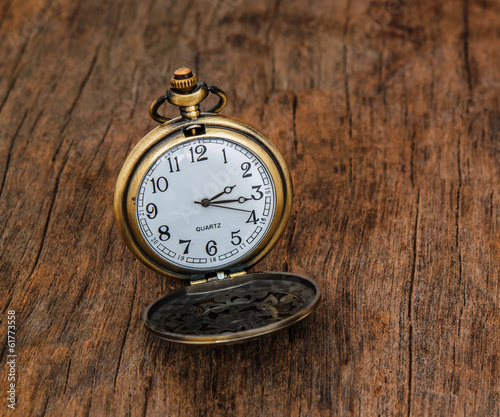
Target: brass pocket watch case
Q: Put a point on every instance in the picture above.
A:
(203, 198)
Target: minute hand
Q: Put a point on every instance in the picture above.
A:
(240, 200)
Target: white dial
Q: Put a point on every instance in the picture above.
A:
(205, 203)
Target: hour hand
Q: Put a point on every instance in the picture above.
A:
(226, 190)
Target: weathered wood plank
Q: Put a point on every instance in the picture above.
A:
(388, 115)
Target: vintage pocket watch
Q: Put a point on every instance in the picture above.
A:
(203, 198)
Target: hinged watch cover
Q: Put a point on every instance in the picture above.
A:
(233, 309)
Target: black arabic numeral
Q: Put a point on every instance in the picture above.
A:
(152, 211)
(257, 188)
(200, 150)
(177, 169)
(245, 166)
(164, 234)
(225, 157)
(211, 248)
(234, 236)
(161, 184)
(186, 250)
(252, 218)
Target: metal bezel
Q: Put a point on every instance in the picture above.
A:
(171, 134)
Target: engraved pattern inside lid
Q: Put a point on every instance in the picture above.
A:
(252, 305)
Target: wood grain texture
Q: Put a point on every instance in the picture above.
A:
(388, 115)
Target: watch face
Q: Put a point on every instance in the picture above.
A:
(205, 204)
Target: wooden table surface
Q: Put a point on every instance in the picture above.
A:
(388, 115)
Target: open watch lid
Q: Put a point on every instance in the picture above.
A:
(232, 310)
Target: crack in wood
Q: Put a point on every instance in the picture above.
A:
(126, 332)
(410, 305)
(47, 221)
(9, 152)
(146, 396)
(98, 147)
(412, 158)
(183, 18)
(147, 27)
(272, 20)
(4, 13)
(72, 17)
(91, 396)
(347, 92)
(44, 408)
(459, 195)
(69, 113)
(16, 72)
(67, 377)
(293, 217)
(346, 83)
(294, 124)
(114, 29)
(466, 51)
(110, 241)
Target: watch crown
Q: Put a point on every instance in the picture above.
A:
(184, 80)
(187, 93)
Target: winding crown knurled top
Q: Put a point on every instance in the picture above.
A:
(187, 93)
(184, 80)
